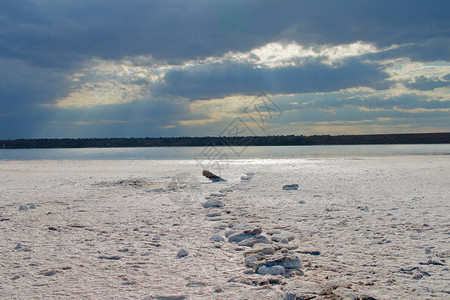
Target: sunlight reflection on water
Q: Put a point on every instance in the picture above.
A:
(228, 154)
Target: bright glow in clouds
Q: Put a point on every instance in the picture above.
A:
(353, 110)
(281, 55)
(407, 71)
(112, 82)
(109, 82)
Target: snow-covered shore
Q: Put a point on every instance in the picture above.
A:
(374, 226)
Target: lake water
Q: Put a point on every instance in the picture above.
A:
(221, 153)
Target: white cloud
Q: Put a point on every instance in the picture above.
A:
(112, 82)
(109, 82)
(405, 70)
(131, 79)
(280, 54)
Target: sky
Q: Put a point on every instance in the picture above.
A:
(138, 68)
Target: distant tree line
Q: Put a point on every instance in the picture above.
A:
(275, 140)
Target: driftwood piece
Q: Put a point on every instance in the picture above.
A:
(213, 177)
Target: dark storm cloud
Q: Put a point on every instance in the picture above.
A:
(24, 88)
(60, 33)
(224, 79)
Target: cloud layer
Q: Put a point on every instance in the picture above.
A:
(157, 68)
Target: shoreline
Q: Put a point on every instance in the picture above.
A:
(231, 140)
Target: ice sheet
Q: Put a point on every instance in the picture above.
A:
(374, 226)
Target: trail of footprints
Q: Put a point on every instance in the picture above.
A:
(268, 255)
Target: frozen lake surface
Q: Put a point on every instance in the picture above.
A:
(222, 152)
(111, 229)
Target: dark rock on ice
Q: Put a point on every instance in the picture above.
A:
(273, 231)
(182, 253)
(250, 242)
(211, 176)
(217, 238)
(214, 214)
(302, 290)
(288, 261)
(262, 248)
(213, 203)
(274, 270)
(363, 208)
(23, 207)
(244, 234)
(217, 195)
(315, 253)
(114, 257)
(230, 232)
(432, 262)
(220, 227)
(255, 261)
(290, 187)
(50, 273)
(280, 237)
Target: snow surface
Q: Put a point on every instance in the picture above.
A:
(373, 226)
